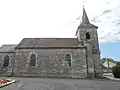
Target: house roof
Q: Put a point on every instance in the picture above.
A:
(116, 61)
(104, 67)
(48, 43)
(112, 61)
(7, 48)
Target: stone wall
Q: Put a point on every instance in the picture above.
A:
(97, 64)
(50, 63)
(6, 71)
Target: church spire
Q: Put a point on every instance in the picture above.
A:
(85, 19)
(85, 22)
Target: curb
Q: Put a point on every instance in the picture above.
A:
(9, 84)
(113, 79)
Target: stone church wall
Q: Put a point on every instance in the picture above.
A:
(97, 63)
(6, 71)
(50, 63)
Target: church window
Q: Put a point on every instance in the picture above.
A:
(68, 59)
(6, 61)
(87, 35)
(33, 60)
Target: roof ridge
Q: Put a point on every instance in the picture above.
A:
(48, 42)
(9, 44)
(49, 38)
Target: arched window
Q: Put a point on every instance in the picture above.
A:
(33, 60)
(87, 35)
(68, 59)
(6, 61)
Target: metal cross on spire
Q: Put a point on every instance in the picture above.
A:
(83, 3)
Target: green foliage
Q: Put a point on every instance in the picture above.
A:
(118, 64)
(107, 59)
(116, 71)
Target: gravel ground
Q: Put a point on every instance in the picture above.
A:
(62, 84)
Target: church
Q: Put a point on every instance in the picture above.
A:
(55, 57)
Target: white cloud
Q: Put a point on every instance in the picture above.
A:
(54, 18)
(109, 30)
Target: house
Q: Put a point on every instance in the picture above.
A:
(108, 65)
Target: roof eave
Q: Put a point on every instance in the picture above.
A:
(87, 26)
(7, 52)
(49, 47)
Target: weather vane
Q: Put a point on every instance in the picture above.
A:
(83, 3)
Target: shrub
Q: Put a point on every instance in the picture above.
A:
(116, 71)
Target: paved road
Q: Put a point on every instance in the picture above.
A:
(62, 84)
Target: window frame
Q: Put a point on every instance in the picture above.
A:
(87, 33)
(30, 59)
(66, 60)
(7, 62)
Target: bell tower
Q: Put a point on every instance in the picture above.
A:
(87, 33)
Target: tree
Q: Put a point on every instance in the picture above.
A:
(106, 59)
(116, 71)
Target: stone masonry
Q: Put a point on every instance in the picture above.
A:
(50, 62)
(55, 57)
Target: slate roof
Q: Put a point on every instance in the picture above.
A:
(48, 43)
(85, 19)
(85, 22)
(87, 26)
(7, 48)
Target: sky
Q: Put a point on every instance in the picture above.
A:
(59, 18)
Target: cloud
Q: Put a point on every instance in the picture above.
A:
(109, 23)
(105, 14)
(56, 18)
